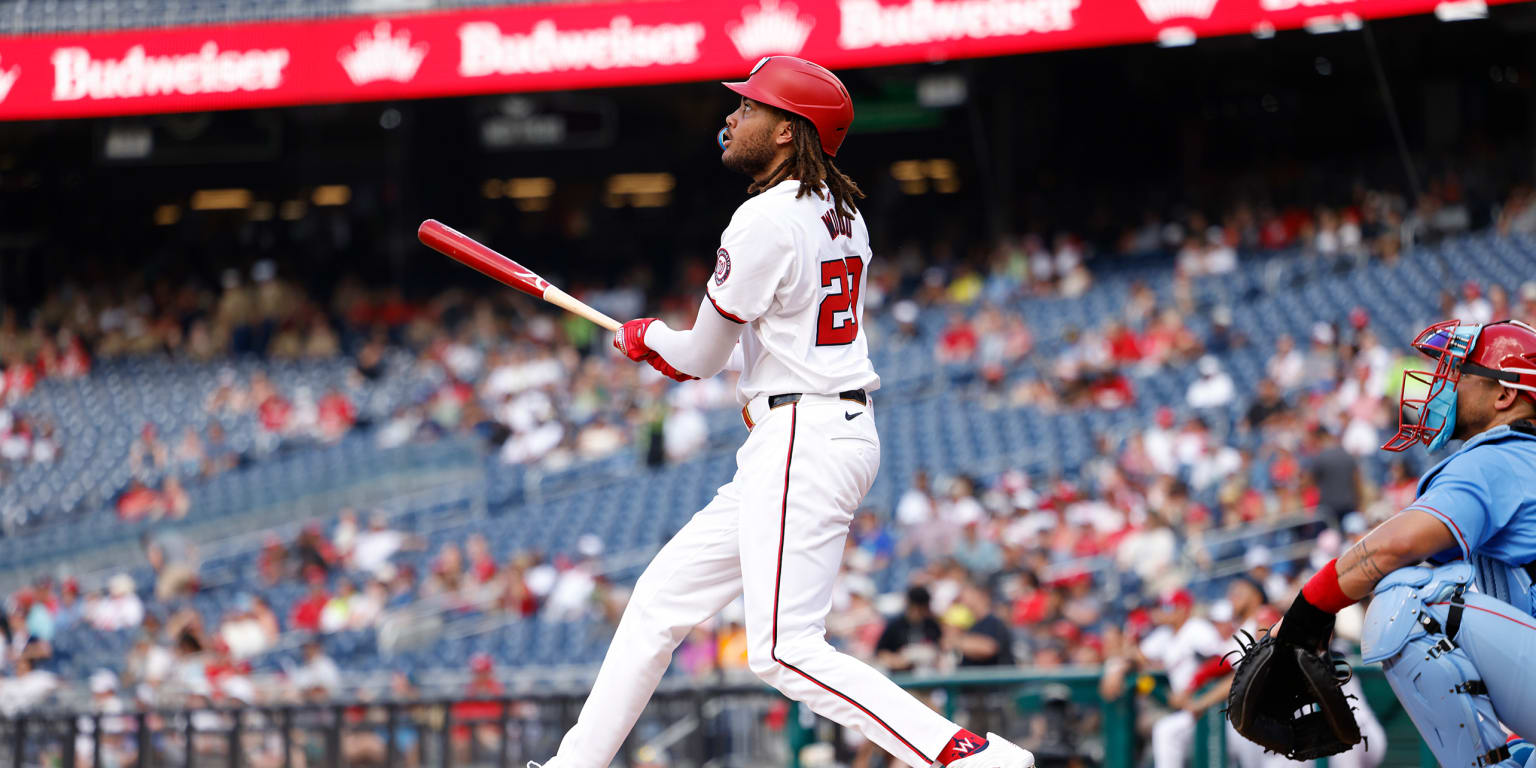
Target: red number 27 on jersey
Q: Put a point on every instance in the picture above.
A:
(848, 274)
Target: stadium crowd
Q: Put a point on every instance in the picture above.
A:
(1101, 568)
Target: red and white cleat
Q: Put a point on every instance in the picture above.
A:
(999, 753)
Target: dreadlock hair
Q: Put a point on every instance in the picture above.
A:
(813, 167)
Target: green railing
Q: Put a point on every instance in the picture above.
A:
(707, 723)
(1029, 690)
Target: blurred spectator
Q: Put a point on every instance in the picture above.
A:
(1268, 404)
(344, 535)
(376, 545)
(685, 433)
(1473, 306)
(1286, 367)
(483, 714)
(911, 640)
(335, 415)
(116, 746)
(189, 455)
(915, 509)
(1336, 474)
(367, 608)
(337, 613)
(139, 502)
(175, 561)
(306, 612)
(1527, 309)
(978, 554)
(871, 545)
(958, 341)
(1180, 645)
(25, 687)
(148, 455)
(1214, 388)
(317, 671)
(121, 609)
(312, 552)
(973, 630)
(246, 630)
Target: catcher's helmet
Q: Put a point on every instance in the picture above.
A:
(1504, 351)
(806, 89)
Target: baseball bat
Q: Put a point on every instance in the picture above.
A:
(473, 254)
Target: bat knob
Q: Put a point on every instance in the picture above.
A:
(720, 138)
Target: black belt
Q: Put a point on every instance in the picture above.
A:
(1530, 570)
(856, 395)
(774, 401)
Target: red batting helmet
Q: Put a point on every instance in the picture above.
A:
(806, 89)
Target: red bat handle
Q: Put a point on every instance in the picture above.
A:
(471, 253)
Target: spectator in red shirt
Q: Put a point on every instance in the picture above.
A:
(138, 502)
(75, 362)
(274, 413)
(306, 612)
(958, 342)
(481, 565)
(1124, 346)
(337, 415)
(18, 381)
(484, 714)
(1111, 390)
(272, 563)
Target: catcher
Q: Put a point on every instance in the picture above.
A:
(1462, 662)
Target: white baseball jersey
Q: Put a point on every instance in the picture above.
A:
(794, 272)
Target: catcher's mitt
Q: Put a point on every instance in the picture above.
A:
(1289, 699)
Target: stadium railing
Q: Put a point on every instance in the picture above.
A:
(690, 724)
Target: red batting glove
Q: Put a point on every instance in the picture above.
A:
(630, 339)
(667, 369)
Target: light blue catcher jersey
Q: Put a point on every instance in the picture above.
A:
(1486, 494)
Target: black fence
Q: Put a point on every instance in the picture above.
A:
(691, 726)
(1060, 714)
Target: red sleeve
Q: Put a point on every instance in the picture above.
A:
(1213, 668)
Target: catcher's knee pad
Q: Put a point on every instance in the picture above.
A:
(1433, 678)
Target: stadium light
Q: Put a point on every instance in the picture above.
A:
(1327, 25)
(261, 210)
(913, 176)
(220, 199)
(331, 194)
(641, 190)
(1461, 10)
(538, 187)
(1175, 37)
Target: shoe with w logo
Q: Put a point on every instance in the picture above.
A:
(997, 753)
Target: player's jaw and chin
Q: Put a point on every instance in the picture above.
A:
(748, 153)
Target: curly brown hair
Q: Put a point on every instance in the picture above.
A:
(813, 167)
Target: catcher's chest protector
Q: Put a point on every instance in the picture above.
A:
(1432, 675)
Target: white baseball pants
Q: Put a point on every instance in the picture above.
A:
(774, 535)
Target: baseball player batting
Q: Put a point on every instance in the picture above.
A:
(785, 304)
(1462, 663)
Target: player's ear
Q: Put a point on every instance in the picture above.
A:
(785, 133)
(1507, 398)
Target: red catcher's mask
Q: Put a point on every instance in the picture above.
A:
(1504, 351)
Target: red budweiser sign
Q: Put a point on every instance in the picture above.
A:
(529, 48)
